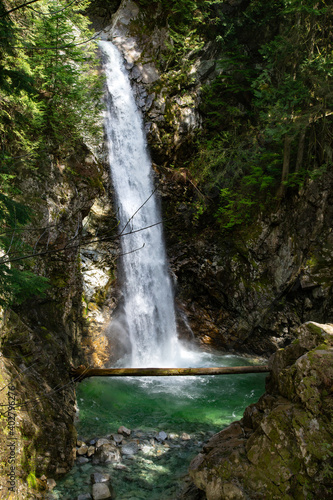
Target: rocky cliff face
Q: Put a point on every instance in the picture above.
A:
(42, 338)
(243, 291)
(247, 291)
(282, 447)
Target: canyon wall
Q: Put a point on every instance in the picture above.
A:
(244, 291)
(43, 337)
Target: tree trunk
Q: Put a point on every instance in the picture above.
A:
(286, 164)
(300, 151)
(82, 372)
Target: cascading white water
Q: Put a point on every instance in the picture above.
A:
(148, 297)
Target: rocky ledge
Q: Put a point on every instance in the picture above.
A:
(282, 447)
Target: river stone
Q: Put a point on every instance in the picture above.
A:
(185, 436)
(120, 467)
(100, 491)
(130, 448)
(82, 450)
(84, 496)
(81, 461)
(117, 438)
(172, 435)
(51, 484)
(91, 451)
(107, 453)
(161, 436)
(102, 441)
(98, 477)
(124, 431)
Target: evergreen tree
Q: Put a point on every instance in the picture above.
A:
(50, 95)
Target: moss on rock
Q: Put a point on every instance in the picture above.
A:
(287, 434)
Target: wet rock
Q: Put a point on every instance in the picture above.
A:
(98, 477)
(117, 438)
(185, 437)
(124, 431)
(51, 484)
(82, 460)
(161, 436)
(287, 429)
(131, 448)
(83, 450)
(102, 441)
(120, 467)
(91, 451)
(106, 453)
(84, 496)
(100, 491)
(173, 436)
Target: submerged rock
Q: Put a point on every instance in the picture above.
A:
(101, 491)
(106, 453)
(282, 447)
(161, 436)
(124, 431)
(98, 477)
(82, 460)
(131, 448)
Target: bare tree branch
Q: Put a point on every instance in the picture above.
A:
(82, 241)
(18, 7)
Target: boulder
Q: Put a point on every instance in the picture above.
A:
(106, 453)
(130, 448)
(282, 447)
(98, 477)
(100, 491)
(124, 431)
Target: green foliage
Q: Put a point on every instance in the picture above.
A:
(66, 75)
(267, 115)
(32, 480)
(50, 94)
(16, 284)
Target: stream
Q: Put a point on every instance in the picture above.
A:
(188, 409)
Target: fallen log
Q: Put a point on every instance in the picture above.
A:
(82, 372)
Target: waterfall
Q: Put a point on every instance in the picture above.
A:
(147, 288)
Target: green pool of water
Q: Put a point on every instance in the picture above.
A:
(198, 406)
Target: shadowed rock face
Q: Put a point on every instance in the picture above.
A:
(282, 447)
(43, 337)
(249, 290)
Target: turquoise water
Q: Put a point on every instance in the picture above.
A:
(199, 406)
